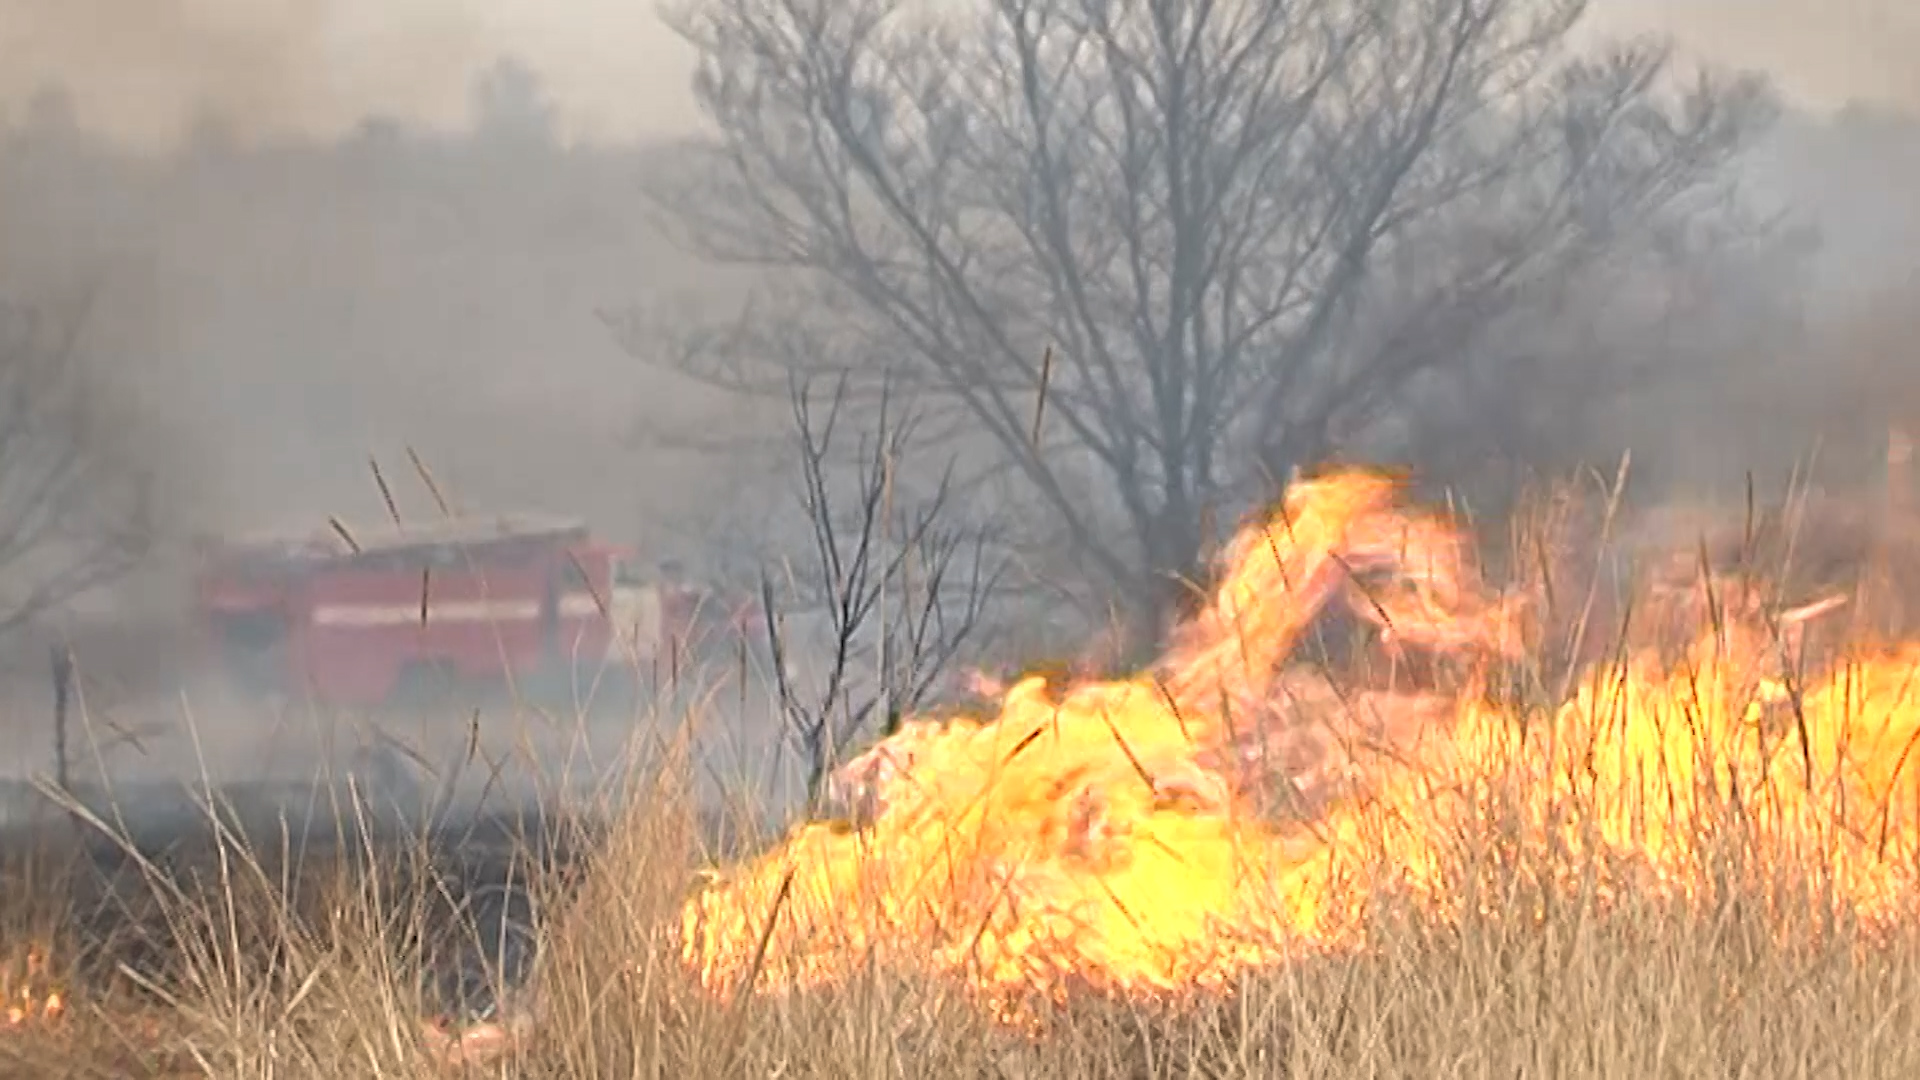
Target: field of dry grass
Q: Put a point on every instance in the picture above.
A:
(1550, 959)
(1533, 981)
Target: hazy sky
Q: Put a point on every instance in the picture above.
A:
(1822, 51)
(137, 67)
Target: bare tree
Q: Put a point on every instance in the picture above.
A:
(1252, 233)
(897, 581)
(74, 510)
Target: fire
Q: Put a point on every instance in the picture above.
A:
(24, 994)
(1170, 831)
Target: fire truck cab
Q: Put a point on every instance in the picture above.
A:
(351, 618)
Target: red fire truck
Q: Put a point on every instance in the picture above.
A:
(348, 617)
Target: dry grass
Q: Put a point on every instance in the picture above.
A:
(257, 977)
(235, 965)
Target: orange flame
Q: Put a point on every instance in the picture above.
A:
(1122, 835)
(24, 995)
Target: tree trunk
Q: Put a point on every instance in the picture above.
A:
(1142, 631)
(1165, 594)
(1131, 640)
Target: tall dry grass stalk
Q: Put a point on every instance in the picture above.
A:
(1543, 974)
(243, 963)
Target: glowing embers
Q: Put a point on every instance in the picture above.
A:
(26, 988)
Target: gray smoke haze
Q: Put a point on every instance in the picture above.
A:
(280, 288)
(285, 287)
(290, 287)
(146, 72)
(142, 71)
(1823, 53)
(301, 306)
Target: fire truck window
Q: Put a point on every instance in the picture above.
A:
(627, 575)
(574, 579)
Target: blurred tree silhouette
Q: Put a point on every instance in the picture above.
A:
(1247, 237)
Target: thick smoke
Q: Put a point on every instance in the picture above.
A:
(141, 70)
(279, 286)
(283, 287)
(150, 71)
(1813, 338)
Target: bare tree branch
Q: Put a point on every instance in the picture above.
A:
(74, 514)
(902, 588)
(1251, 233)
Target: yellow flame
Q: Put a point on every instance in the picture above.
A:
(1111, 835)
(24, 994)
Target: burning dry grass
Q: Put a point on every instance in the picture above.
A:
(1538, 972)
(1691, 865)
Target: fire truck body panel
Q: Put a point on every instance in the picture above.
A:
(352, 625)
(363, 633)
